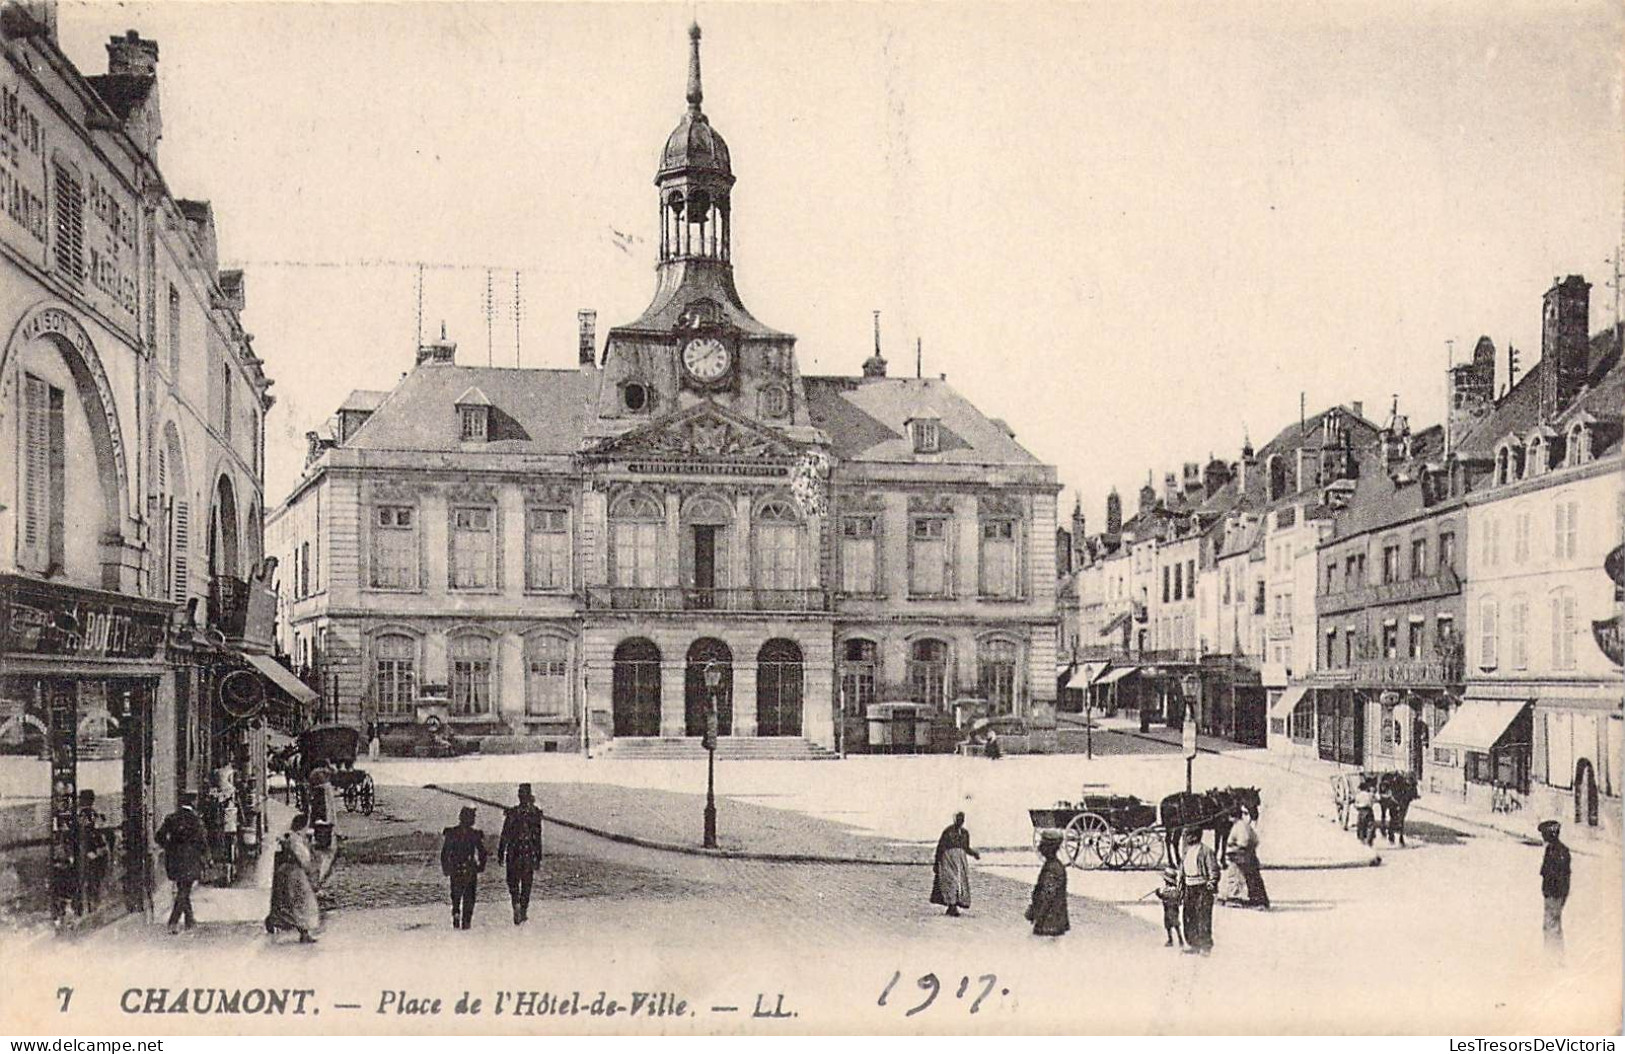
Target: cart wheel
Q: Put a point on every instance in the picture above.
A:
(352, 798)
(1148, 851)
(1083, 837)
(1116, 850)
(367, 797)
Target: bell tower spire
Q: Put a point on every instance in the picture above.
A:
(695, 95)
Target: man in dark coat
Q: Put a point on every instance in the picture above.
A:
(1554, 883)
(1048, 912)
(462, 858)
(520, 848)
(185, 842)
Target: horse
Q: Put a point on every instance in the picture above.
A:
(1395, 793)
(1209, 810)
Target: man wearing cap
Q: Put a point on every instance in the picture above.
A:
(520, 848)
(1554, 883)
(462, 858)
(185, 842)
(1048, 912)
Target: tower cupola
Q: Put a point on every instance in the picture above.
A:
(695, 178)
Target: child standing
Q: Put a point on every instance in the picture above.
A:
(1170, 896)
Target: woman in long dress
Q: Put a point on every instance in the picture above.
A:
(293, 885)
(950, 885)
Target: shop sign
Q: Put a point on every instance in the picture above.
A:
(47, 620)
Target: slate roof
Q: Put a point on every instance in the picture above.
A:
(866, 420)
(364, 400)
(533, 411)
(1519, 409)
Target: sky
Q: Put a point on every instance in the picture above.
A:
(1136, 231)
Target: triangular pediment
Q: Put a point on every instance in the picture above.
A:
(704, 432)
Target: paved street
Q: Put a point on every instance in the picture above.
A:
(1457, 915)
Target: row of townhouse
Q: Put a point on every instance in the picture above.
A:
(132, 413)
(1444, 601)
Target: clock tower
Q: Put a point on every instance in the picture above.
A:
(696, 342)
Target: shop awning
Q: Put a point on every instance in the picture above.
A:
(1086, 674)
(1273, 675)
(1289, 701)
(1478, 724)
(280, 676)
(1113, 676)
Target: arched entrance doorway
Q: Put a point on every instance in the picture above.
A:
(635, 697)
(696, 694)
(223, 533)
(778, 689)
(1585, 794)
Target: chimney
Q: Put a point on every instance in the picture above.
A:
(1358, 407)
(1170, 488)
(129, 55)
(441, 352)
(1564, 344)
(1192, 480)
(1114, 513)
(587, 342)
(1148, 494)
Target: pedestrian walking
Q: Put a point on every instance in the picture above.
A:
(185, 842)
(462, 858)
(519, 847)
(1365, 827)
(950, 870)
(1198, 880)
(1242, 883)
(294, 878)
(1554, 884)
(1048, 912)
(93, 848)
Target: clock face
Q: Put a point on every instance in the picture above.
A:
(707, 358)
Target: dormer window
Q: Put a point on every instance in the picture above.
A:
(926, 433)
(1579, 444)
(1508, 463)
(473, 416)
(635, 397)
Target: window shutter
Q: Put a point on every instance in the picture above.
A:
(36, 485)
(70, 226)
(57, 474)
(181, 544)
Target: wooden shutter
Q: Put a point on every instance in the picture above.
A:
(36, 481)
(180, 548)
(56, 447)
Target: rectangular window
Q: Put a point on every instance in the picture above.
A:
(45, 463)
(928, 556)
(226, 410)
(1419, 557)
(1492, 542)
(473, 548)
(998, 563)
(395, 674)
(470, 676)
(1518, 632)
(926, 436)
(1331, 649)
(1564, 614)
(1413, 646)
(1190, 579)
(395, 547)
(1447, 551)
(1566, 543)
(547, 678)
(1390, 640)
(1331, 578)
(473, 423)
(1348, 646)
(636, 546)
(858, 555)
(547, 549)
(1226, 585)
(70, 225)
(1167, 582)
(1258, 598)
(1390, 563)
(174, 332)
(860, 659)
(1488, 634)
(777, 562)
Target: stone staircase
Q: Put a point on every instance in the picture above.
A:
(729, 748)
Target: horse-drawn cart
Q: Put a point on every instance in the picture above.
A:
(325, 759)
(1104, 830)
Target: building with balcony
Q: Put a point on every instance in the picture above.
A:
(1388, 601)
(132, 410)
(1545, 516)
(557, 557)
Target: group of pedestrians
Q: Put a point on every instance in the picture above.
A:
(463, 858)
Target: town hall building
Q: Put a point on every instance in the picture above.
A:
(684, 521)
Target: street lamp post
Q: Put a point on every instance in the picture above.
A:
(713, 684)
(1192, 686)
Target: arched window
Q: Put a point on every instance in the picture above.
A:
(394, 683)
(779, 688)
(928, 672)
(473, 684)
(860, 669)
(635, 694)
(1535, 462)
(996, 672)
(1578, 450)
(635, 524)
(778, 546)
(707, 525)
(547, 677)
